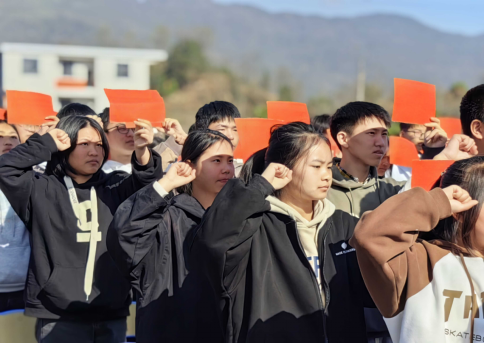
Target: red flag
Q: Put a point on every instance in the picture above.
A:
(288, 111)
(402, 151)
(415, 102)
(127, 106)
(28, 107)
(254, 135)
(425, 173)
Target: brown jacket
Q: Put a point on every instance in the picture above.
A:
(422, 289)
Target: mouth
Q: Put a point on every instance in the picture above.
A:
(93, 162)
(224, 181)
(378, 152)
(324, 188)
(6, 150)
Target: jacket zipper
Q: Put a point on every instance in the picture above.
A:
(313, 276)
(325, 283)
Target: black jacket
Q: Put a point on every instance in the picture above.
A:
(258, 267)
(55, 283)
(146, 241)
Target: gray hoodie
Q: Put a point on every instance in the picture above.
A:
(14, 249)
(356, 198)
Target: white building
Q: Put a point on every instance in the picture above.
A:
(75, 73)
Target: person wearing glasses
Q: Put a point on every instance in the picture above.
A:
(429, 140)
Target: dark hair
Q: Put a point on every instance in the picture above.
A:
(105, 118)
(472, 108)
(59, 163)
(347, 117)
(254, 164)
(214, 112)
(468, 174)
(192, 128)
(195, 145)
(75, 109)
(13, 126)
(287, 145)
(406, 126)
(321, 122)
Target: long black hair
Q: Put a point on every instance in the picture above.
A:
(195, 145)
(59, 163)
(287, 145)
(468, 174)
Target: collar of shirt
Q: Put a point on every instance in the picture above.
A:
(348, 176)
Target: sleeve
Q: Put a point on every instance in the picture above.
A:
(17, 177)
(383, 236)
(430, 153)
(223, 239)
(133, 230)
(141, 176)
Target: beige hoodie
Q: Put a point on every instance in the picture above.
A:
(307, 230)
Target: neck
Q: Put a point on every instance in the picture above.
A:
(122, 158)
(80, 179)
(304, 207)
(204, 198)
(480, 146)
(355, 167)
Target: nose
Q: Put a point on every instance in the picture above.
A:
(381, 141)
(93, 151)
(230, 135)
(227, 168)
(130, 133)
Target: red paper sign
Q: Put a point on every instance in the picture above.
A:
(127, 106)
(415, 102)
(3, 113)
(425, 173)
(288, 111)
(28, 108)
(402, 151)
(254, 135)
(452, 126)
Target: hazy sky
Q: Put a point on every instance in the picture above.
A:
(456, 16)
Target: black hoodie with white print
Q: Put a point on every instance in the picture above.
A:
(71, 275)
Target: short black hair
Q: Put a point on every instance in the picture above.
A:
(105, 118)
(75, 109)
(321, 122)
(59, 163)
(347, 117)
(214, 112)
(472, 108)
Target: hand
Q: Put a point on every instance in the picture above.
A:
(49, 125)
(96, 118)
(178, 175)
(436, 137)
(277, 175)
(460, 147)
(459, 199)
(173, 128)
(62, 140)
(143, 135)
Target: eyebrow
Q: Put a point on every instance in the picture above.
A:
(8, 132)
(321, 161)
(219, 156)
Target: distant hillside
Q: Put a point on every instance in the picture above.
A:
(321, 54)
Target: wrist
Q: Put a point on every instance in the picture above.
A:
(181, 138)
(441, 157)
(166, 185)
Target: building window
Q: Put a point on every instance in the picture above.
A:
(67, 65)
(123, 70)
(30, 66)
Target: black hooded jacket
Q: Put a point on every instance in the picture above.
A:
(148, 240)
(55, 283)
(268, 288)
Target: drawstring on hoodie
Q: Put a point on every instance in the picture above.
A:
(474, 304)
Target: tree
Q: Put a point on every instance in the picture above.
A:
(186, 62)
(286, 93)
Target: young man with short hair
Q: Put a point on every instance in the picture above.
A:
(361, 131)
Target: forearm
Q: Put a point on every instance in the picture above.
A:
(143, 156)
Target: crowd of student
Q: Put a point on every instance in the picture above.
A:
(295, 245)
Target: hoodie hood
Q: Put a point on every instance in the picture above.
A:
(308, 230)
(188, 204)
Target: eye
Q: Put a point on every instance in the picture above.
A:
(385, 133)
(371, 133)
(99, 144)
(216, 160)
(231, 161)
(14, 137)
(317, 167)
(84, 144)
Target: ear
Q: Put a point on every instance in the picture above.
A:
(343, 139)
(477, 129)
